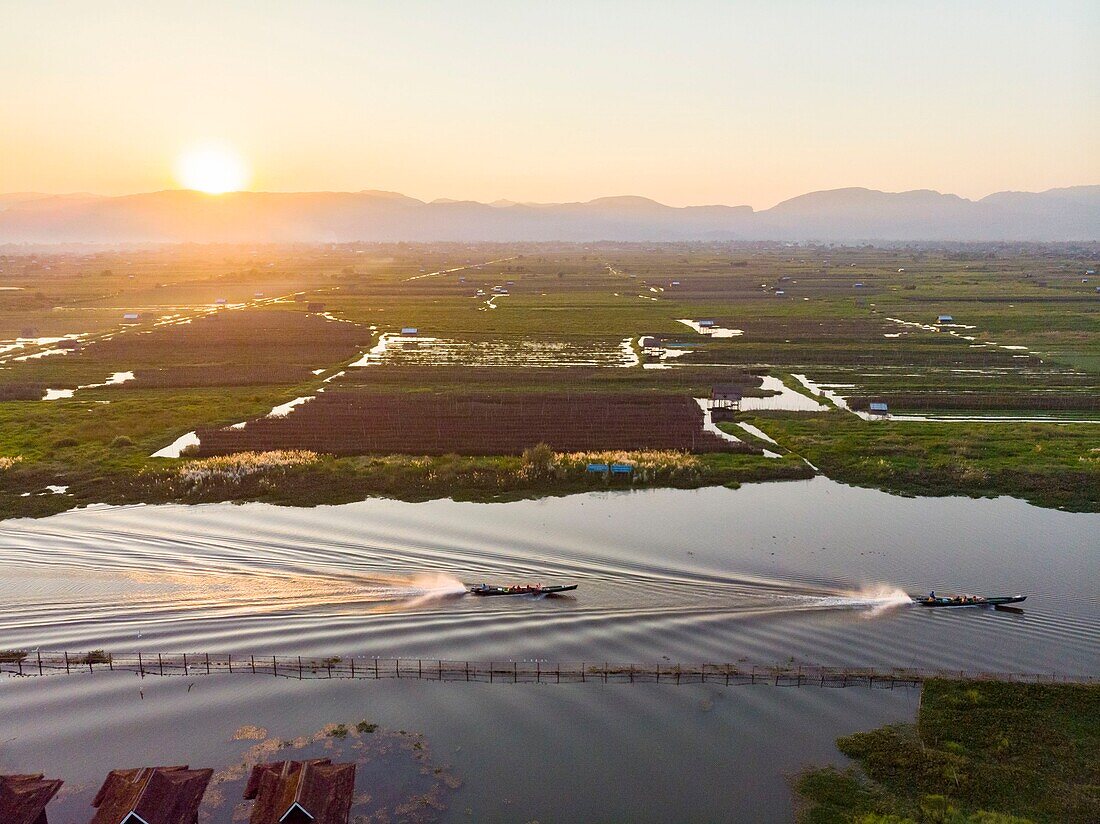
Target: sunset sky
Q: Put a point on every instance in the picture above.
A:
(685, 102)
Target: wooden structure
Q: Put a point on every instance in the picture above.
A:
(23, 798)
(725, 396)
(151, 795)
(879, 408)
(503, 672)
(301, 792)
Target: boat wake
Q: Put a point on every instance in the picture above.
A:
(876, 599)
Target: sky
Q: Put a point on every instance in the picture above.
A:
(687, 102)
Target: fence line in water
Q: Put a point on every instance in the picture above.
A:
(33, 664)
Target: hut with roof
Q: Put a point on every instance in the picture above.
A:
(726, 396)
(23, 798)
(301, 792)
(151, 795)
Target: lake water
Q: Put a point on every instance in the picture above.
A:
(808, 571)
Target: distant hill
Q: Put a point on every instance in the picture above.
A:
(848, 215)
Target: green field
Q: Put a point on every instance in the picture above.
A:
(224, 334)
(984, 752)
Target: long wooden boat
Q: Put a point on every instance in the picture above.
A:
(520, 589)
(968, 600)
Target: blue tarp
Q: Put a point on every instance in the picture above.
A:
(622, 469)
(597, 467)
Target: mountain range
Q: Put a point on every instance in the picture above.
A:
(842, 215)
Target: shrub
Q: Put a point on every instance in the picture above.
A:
(539, 461)
(243, 464)
(121, 441)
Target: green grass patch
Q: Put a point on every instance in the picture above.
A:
(990, 752)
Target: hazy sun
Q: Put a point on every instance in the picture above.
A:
(211, 169)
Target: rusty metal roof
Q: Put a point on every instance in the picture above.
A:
(23, 798)
(316, 791)
(151, 795)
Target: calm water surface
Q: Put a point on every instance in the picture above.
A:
(770, 572)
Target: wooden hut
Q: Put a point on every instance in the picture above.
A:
(23, 798)
(301, 792)
(151, 795)
(725, 396)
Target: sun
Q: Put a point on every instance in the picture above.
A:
(212, 169)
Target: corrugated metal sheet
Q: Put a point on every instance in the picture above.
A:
(319, 789)
(23, 798)
(158, 795)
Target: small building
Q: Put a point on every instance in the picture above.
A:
(879, 408)
(858, 285)
(675, 283)
(70, 344)
(945, 319)
(725, 396)
(151, 795)
(132, 317)
(301, 792)
(23, 798)
(315, 307)
(219, 301)
(648, 342)
(409, 331)
(780, 293)
(706, 323)
(257, 294)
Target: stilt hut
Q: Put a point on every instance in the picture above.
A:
(151, 795)
(725, 396)
(23, 798)
(301, 792)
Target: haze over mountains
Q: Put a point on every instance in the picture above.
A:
(843, 215)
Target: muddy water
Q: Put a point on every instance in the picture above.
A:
(809, 570)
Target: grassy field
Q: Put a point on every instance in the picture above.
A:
(988, 752)
(224, 334)
(1053, 465)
